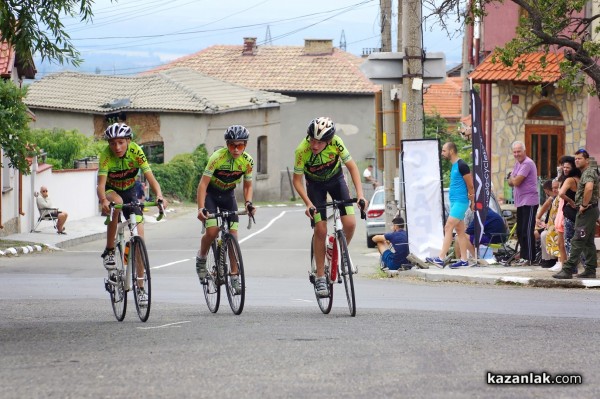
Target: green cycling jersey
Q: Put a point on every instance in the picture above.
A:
(324, 165)
(121, 172)
(225, 172)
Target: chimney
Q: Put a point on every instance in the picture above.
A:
(249, 46)
(318, 46)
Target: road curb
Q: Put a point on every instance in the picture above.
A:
(24, 250)
(495, 279)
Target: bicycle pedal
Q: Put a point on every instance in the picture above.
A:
(311, 278)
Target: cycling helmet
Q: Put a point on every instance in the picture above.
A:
(321, 129)
(117, 131)
(237, 132)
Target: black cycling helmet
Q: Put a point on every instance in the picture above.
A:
(117, 131)
(236, 132)
(321, 129)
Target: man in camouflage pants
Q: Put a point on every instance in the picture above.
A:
(586, 200)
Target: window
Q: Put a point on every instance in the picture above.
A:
(155, 152)
(261, 164)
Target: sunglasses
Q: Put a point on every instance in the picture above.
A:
(44, 191)
(233, 146)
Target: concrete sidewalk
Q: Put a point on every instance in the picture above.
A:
(534, 276)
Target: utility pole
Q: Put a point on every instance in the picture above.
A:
(389, 135)
(411, 109)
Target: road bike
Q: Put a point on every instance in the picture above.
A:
(339, 268)
(130, 252)
(223, 259)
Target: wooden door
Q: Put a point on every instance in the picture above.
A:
(545, 145)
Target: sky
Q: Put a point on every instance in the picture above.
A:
(130, 36)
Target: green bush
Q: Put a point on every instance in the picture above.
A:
(63, 147)
(179, 177)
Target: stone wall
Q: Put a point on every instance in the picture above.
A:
(509, 121)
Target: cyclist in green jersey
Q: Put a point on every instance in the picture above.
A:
(224, 170)
(319, 158)
(120, 163)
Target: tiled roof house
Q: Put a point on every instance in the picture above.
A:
(326, 81)
(523, 103)
(179, 108)
(444, 99)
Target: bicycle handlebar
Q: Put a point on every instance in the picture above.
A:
(224, 214)
(136, 205)
(361, 206)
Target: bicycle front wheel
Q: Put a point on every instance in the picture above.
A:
(210, 285)
(115, 285)
(140, 276)
(235, 283)
(346, 269)
(324, 303)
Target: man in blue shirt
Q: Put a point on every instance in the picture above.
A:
(493, 228)
(393, 256)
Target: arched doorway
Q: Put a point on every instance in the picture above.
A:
(545, 137)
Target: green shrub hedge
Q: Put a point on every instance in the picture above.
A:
(179, 177)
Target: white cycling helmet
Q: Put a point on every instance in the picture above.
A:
(321, 129)
(117, 131)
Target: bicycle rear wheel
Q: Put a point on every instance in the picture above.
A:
(210, 286)
(231, 254)
(141, 284)
(324, 303)
(346, 270)
(115, 285)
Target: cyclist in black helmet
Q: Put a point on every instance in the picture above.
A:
(224, 170)
(120, 163)
(319, 157)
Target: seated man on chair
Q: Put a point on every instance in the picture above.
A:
(493, 230)
(395, 256)
(43, 202)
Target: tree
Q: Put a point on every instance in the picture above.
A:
(35, 26)
(14, 125)
(546, 24)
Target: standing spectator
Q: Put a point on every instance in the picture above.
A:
(586, 199)
(393, 260)
(43, 202)
(368, 175)
(139, 190)
(567, 193)
(523, 180)
(548, 235)
(460, 193)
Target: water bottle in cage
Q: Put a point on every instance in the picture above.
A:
(329, 249)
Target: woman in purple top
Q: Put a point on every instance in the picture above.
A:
(523, 180)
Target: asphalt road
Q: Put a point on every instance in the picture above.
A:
(58, 337)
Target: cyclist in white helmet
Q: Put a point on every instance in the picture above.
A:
(319, 157)
(120, 163)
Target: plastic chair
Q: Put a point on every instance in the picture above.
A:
(48, 215)
(502, 243)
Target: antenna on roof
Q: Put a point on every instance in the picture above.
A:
(268, 40)
(343, 41)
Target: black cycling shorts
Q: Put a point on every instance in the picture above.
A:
(127, 196)
(337, 189)
(224, 201)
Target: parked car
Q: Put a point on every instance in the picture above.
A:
(376, 216)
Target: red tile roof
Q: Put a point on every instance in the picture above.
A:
(7, 60)
(280, 69)
(444, 99)
(488, 72)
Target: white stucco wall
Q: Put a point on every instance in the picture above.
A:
(47, 119)
(73, 191)
(353, 115)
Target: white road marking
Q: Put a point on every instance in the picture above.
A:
(165, 325)
(302, 300)
(264, 228)
(170, 264)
